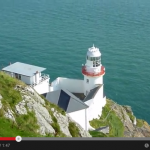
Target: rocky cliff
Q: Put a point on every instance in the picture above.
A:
(119, 121)
(132, 127)
(29, 114)
(24, 112)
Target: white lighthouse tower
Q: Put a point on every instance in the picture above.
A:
(93, 70)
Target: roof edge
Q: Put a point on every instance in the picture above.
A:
(75, 98)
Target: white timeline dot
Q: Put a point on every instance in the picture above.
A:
(18, 138)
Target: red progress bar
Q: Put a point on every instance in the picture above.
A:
(7, 138)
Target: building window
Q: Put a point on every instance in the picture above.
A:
(93, 58)
(94, 64)
(86, 93)
(87, 80)
(19, 77)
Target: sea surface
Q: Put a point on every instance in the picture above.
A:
(56, 34)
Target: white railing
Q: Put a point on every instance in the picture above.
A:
(43, 77)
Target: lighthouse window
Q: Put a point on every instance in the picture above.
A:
(93, 58)
(94, 64)
(87, 80)
(97, 58)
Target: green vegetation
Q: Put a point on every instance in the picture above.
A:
(74, 131)
(112, 120)
(55, 125)
(51, 105)
(139, 122)
(9, 129)
(7, 84)
(25, 125)
(97, 134)
(131, 117)
(27, 122)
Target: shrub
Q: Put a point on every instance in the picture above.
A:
(74, 131)
(139, 123)
(116, 128)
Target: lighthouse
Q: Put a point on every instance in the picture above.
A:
(93, 70)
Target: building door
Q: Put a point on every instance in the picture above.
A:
(18, 76)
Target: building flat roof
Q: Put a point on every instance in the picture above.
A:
(23, 69)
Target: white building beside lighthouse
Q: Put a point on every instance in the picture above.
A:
(83, 100)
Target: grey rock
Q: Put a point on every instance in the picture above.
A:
(1, 97)
(128, 109)
(31, 101)
(9, 114)
(104, 129)
(0, 104)
(52, 109)
(20, 108)
(63, 123)
(45, 127)
(0, 101)
(130, 128)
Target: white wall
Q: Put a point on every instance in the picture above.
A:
(99, 97)
(75, 105)
(32, 79)
(42, 87)
(55, 85)
(72, 85)
(37, 78)
(96, 105)
(89, 63)
(26, 79)
(92, 82)
(80, 118)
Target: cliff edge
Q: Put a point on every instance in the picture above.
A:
(25, 113)
(119, 121)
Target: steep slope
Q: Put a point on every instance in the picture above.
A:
(119, 121)
(24, 112)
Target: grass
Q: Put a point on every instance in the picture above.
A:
(10, 95)
(116, 128)
(74, 131)
(27, 122)
(139, 122)
(8, 129)
(131, 117)
(51, 105)
(56, 126)
(97, 134)
(26, 125)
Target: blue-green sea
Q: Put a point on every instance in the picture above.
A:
(56, 34)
